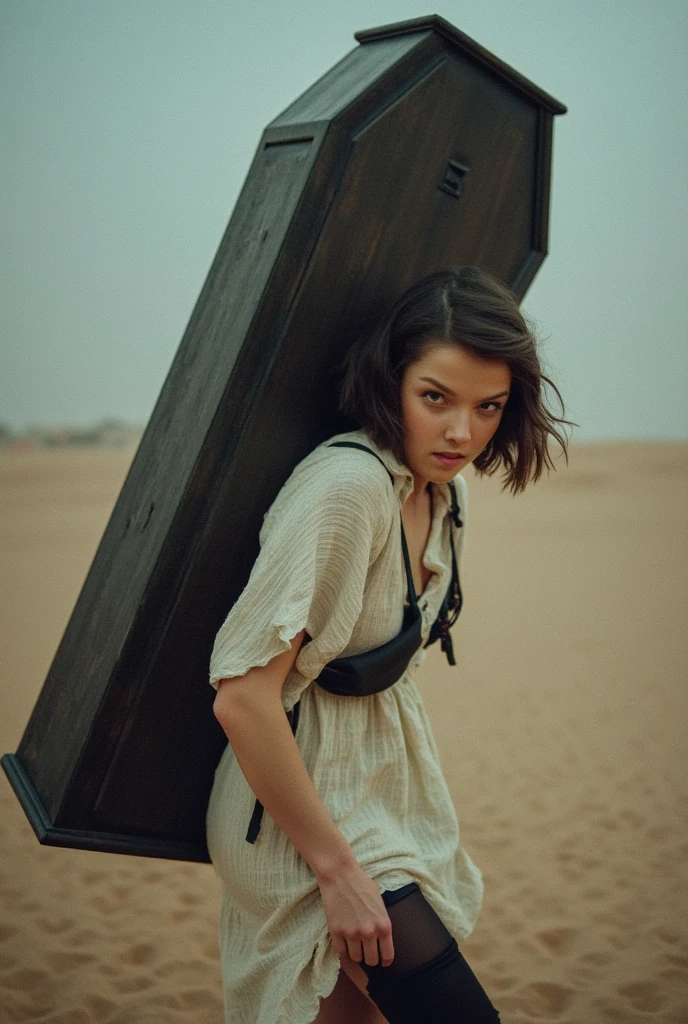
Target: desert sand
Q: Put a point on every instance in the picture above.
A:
(561, 730)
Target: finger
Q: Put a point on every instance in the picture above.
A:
(386, 949)
(342, 951)
(370, 952)
(355, 952)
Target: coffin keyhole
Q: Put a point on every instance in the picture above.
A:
(454, 178)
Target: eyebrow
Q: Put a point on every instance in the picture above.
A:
(443, 387)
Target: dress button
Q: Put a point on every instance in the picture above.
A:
(424, 606)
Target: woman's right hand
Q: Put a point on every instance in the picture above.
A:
(357, 917)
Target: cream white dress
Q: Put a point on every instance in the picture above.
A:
(331, 562)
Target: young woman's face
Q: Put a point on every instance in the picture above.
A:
(451, 401)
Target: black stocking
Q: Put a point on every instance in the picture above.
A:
(429, 980)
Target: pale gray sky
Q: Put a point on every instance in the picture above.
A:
(129, 126)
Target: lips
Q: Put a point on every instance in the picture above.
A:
(451, 460)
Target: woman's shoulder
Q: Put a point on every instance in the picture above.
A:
(343, 470)
(346, 480)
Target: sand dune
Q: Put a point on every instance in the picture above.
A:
(562, 734)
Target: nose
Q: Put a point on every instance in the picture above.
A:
(459, 429)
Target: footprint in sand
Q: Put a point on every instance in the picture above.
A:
(175, 967)
(83, 937)
(55, 925)
(167, 1000)
(76, 1016)
(615, 1012)
(633, 819)
(189, 899)
(105, 903)
(131, 984)
(27, 979)
(179, 916)
(642, 995)
(92, 877)
(672, 974)
(662, 833)
(152, 876)
(619, 940)
(210, 947)
(61, 963)
(98, 1007)
(199, 999)
(120, 892)
(503, 984)
(678, 961)
(512, 926)
(7, 961)
(632, 912)
(128, 874)
(542, 1000)
(595, 893)
(109, 970)
(597, 958)
(571, 875)
(557, 940)
(607, 823)
(138, 955)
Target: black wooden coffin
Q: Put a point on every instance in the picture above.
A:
(417, 151)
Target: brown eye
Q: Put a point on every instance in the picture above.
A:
(437, 393)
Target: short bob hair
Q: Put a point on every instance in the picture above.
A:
(468, 307)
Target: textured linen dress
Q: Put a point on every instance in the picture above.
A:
(331, 562)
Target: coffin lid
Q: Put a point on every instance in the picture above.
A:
(436, 23)
(312, 106)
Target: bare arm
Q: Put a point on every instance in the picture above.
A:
(249, 709)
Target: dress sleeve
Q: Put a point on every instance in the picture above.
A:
(318, 540)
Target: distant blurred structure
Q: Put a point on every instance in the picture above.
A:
(106, 434)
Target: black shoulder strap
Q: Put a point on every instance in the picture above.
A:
(455, 510)
(364, 448)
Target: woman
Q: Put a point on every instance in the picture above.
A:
(357, 863)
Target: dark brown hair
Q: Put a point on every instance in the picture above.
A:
(468, 307)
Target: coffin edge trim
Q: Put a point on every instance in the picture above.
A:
(78, 839)
(435, 23)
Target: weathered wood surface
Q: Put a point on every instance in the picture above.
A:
(417, 151)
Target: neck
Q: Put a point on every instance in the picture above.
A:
(421, 489)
